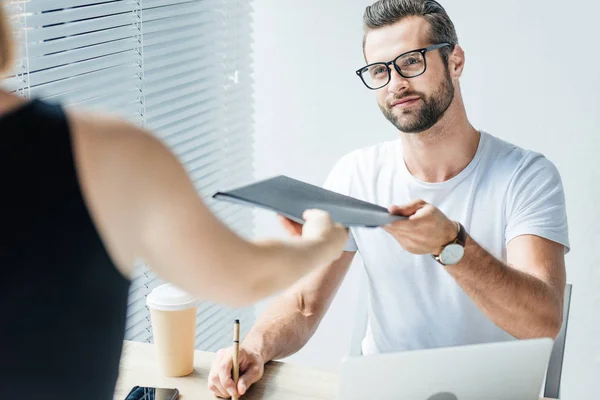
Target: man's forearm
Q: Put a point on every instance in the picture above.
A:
(290, 321)
(282, 329)
(519, 303)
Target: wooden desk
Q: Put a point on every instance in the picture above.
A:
(281, 380)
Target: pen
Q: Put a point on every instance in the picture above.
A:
(236, 355)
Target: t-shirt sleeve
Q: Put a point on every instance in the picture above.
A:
(536, 202)
(339, 180)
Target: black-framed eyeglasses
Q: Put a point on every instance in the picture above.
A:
(409, 65)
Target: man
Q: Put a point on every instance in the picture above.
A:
(481, 256)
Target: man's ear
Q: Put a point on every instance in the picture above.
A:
(456, 62)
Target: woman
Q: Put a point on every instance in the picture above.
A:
(72, 225)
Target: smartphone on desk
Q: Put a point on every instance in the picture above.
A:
(152, 393)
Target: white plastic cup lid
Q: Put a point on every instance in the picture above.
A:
(168, 297)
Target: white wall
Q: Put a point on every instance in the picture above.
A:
(531, 78)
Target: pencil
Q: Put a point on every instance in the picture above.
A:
(236, 355)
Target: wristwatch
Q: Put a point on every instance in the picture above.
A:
(454, 251)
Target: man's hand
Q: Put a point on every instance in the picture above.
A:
(220, 380)
(425, 231)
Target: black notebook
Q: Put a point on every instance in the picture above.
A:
(290, 198)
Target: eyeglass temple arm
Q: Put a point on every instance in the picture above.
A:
(437, 46)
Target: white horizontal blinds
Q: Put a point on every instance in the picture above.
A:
(137, 326)
(238, 107)
(84, 53)
(189, 58)
(237, 167)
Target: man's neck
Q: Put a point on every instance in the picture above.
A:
(443, 151)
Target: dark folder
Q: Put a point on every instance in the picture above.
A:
(290, 198)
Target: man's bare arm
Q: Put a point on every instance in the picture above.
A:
(291, 320)
(525, 297)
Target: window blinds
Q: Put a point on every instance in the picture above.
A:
(181, 69)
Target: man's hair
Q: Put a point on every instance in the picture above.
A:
(387, 12)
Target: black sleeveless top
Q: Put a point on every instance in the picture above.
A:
(62, 302)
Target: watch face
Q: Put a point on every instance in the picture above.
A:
(452, 254)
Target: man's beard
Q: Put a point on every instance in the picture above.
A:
(432, 110)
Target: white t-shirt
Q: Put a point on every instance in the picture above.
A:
(504, 192)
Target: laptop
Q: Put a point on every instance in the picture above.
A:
(512, 370)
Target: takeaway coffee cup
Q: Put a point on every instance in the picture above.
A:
(173, 317)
